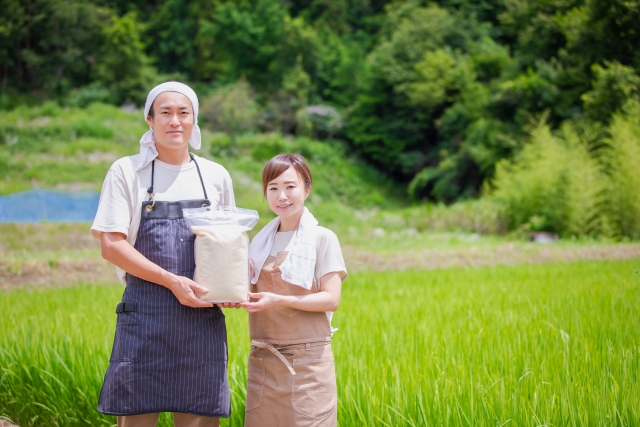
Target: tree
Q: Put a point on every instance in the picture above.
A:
(424, 88)
(123, 67)
(613, 86)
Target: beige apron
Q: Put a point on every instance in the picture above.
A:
(291, 380)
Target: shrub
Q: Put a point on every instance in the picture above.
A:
(554, 184)
(87, 95)
(481, 216)
(613, 85)
(231, 110)
(622, 163)
(318, 121)
(91, 127)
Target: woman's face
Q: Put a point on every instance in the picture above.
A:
(286, 194)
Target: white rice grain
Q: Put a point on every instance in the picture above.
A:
(222, 262)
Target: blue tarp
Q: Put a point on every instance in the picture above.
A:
(49, 205)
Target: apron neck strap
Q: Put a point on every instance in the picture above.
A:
(204, 190)
(153, 164)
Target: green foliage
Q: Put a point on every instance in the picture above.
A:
(319, 121)
(440, 76)
(338, 177)
(425, 109)
(482, 216)
(564, 183)
(64, 146)
(613, 86)
(622, 159)
(231, 109)
(172, 26)
(124, 67)
(450, 358)
(435, 94)
(92, 93)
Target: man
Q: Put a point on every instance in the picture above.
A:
(170, 347)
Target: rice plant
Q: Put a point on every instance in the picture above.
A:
(554, 345)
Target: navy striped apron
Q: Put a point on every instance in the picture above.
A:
(166, 357)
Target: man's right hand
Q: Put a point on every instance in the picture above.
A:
(188, 292)
(118, 251)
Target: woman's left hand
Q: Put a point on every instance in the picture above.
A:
(264, 301)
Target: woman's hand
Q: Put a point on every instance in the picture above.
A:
(264, 300)
(327, 299)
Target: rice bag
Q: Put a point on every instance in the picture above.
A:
(222, 251)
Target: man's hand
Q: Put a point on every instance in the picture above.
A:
(118, 251)
(188, 292)
(229, 304)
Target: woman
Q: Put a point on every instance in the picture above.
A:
(297, 274)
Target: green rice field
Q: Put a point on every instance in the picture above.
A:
(529, 345)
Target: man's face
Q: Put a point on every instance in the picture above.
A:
(172, 123)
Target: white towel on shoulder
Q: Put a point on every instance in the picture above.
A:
(299, 266)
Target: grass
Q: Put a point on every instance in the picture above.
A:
(553, 345)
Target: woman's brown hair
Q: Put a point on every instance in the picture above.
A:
(280, 163)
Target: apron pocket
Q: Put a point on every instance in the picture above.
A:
(285, 288)
(255, 383)
(314, 387)
(127, 342)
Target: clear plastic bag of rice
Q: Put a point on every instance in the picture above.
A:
(222, 250)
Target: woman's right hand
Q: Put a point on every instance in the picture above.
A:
(264, 301)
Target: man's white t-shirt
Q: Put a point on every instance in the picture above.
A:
(124, 189)
(329, 257)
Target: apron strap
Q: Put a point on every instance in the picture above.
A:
(275, 351)
(150, 189)
(126, 307)
(153, 164)
(200, 175)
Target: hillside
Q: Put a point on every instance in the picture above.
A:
(71, 148)
(435, 93)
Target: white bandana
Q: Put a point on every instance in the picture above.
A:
(148, 150)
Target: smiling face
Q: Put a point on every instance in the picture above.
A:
(286, 195)
(172, 121)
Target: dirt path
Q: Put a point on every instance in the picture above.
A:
(62, 272)
(67, 272)
(480, 256)
(5, 423)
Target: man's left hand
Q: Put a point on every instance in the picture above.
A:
(229, 305)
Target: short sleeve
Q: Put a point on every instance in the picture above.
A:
(329, 255)
(114, 209)
(228, 198)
